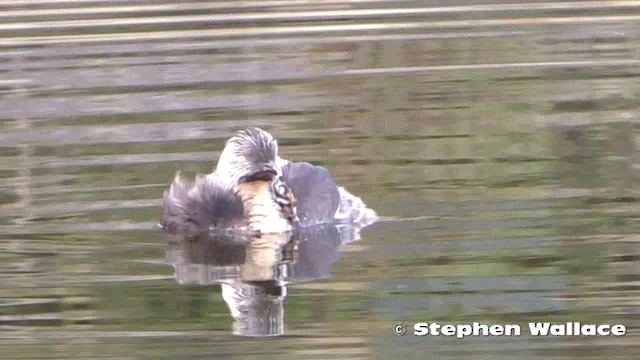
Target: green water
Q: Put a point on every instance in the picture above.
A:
(498, 141)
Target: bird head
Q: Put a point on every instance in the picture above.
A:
(248, 156)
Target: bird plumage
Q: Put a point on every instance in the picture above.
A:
(208, 202)
(316, 193)
(248, 155)
(253, 188)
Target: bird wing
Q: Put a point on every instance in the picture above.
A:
(315, 190)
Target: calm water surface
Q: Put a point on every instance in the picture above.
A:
(497, 139)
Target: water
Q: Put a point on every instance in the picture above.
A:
(498, 140)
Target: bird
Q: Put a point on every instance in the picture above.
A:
(252, 188)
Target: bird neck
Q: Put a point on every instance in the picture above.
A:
(261, 210)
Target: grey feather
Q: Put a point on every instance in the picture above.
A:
(250, 151)
(193, 208)
(315, 190)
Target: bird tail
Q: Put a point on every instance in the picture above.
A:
(193, 208)
(353, 210)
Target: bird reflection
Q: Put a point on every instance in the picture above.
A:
(254, 270)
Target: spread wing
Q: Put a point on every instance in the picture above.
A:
(315, 190)
(192, 208)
